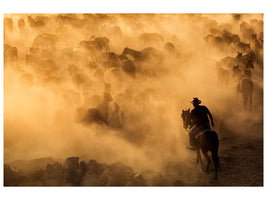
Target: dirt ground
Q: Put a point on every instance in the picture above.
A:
(241, 160)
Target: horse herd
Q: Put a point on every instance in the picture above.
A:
(95, 54)
(245, 40)
(238, 70)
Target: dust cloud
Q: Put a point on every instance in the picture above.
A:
(71, 88)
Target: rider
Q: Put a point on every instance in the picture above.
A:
(200, 116)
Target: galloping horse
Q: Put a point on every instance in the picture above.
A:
(207, 140)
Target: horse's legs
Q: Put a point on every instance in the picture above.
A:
(199, 157)
(250, 102)
(216, 161)
(245, 99)
(205, 153)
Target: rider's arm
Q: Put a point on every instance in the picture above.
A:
(211, 118)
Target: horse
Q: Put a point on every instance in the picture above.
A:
(223, 76)
(136, 55)
(10, 55)
(246, 88)
(240, 46)
(206, 140)
(95, 44)
(236, 73)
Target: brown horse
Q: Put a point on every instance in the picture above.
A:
(246, 88)
(206, 141)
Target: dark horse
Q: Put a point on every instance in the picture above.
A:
(206, 141)
(246, 88)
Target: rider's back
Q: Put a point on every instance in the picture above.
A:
(199, 115)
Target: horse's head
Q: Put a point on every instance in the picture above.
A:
(236, 68)
(187, 122)
(254, 37)
(239, 54)
(125, 51)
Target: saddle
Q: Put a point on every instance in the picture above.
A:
(201, 132)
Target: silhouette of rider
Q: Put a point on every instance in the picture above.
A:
(200, 116)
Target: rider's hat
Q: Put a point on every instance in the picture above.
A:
(196, 100)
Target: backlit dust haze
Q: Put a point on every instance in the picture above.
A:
(72, 92)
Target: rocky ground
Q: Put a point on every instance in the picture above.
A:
(241, 165)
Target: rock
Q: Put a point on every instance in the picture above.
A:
(94, 168)
(89, 180)
(104, 180)
(11, 176)
(83, 166)
(72, 162)
(138, 181)
(121, 174)
(74, 172)
(54, 169)
(31, 165)
(92, 163)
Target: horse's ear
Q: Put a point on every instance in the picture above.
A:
(189, 109)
